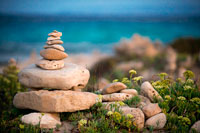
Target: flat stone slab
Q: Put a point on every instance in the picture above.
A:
(54, 101)
(71, 76)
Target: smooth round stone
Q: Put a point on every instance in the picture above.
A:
(52, 38)
(71, 76)
(50, 64)
(53, 54)
(55, 33)
(58, 47)
(54, 42)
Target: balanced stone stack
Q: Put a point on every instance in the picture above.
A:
(53, 53)
(63, 80)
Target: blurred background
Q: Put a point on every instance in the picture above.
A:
(108, 37)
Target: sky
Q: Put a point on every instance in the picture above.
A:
(101, 7)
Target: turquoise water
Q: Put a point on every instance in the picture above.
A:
(19, 37)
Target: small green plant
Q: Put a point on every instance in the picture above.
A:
(131, 81)
(181, 101)
(133, 102)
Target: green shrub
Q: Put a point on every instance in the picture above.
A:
(181, 101)
(9, 86)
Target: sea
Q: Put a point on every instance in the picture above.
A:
(20, 35)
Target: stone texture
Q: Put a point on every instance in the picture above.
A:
(52, 42)
(52, 38)
(138, 116)
(143, 101)
(102, 82)
(67, 127)
(56, 46)
(130, 91)
(70, 77)
(148, 91)
(55, 34)
(46, 120)
(157, 121)
(50, 64)
(54, 101)
(196, 127)
(114, 87)
(116, 97)
(53, 54)
(151, 109)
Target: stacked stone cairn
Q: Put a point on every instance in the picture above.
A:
(54, 86)
(53, 53)
(146, 114)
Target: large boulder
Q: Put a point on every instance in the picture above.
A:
(54, 101)
(44, 120)
(157, 121)
(138, 116)
(114, 87)
(70, 77)
(148, 91)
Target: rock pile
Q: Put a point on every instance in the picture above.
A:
(55, 86)
(146, 114)
(53, 53)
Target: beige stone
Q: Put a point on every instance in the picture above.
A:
(151, 109)
(50, 64)
(196, 127)
(130, 91)
(55, 34)
(143, 101)
(46, 120)
(116, 97)
(71, 76)
(53, 38)
(102, 82)
(157, 121)
(53, 54)
(148, 91)
(52, 42)
(114, 87)
(56, 46)
(138, 116)
(54, 101)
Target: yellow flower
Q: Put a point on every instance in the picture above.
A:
(162, 75)
(121, 103)
(82, 122)
(190, 81)
(21, 126)
(115, 80)
(136, 79)
(195, 100)
(188, 74)
(130, 116)
(132, 72)
(117, 116)
(99, 99)
(109, 113)
(167, 97)
(187, 87)
(181, 98)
